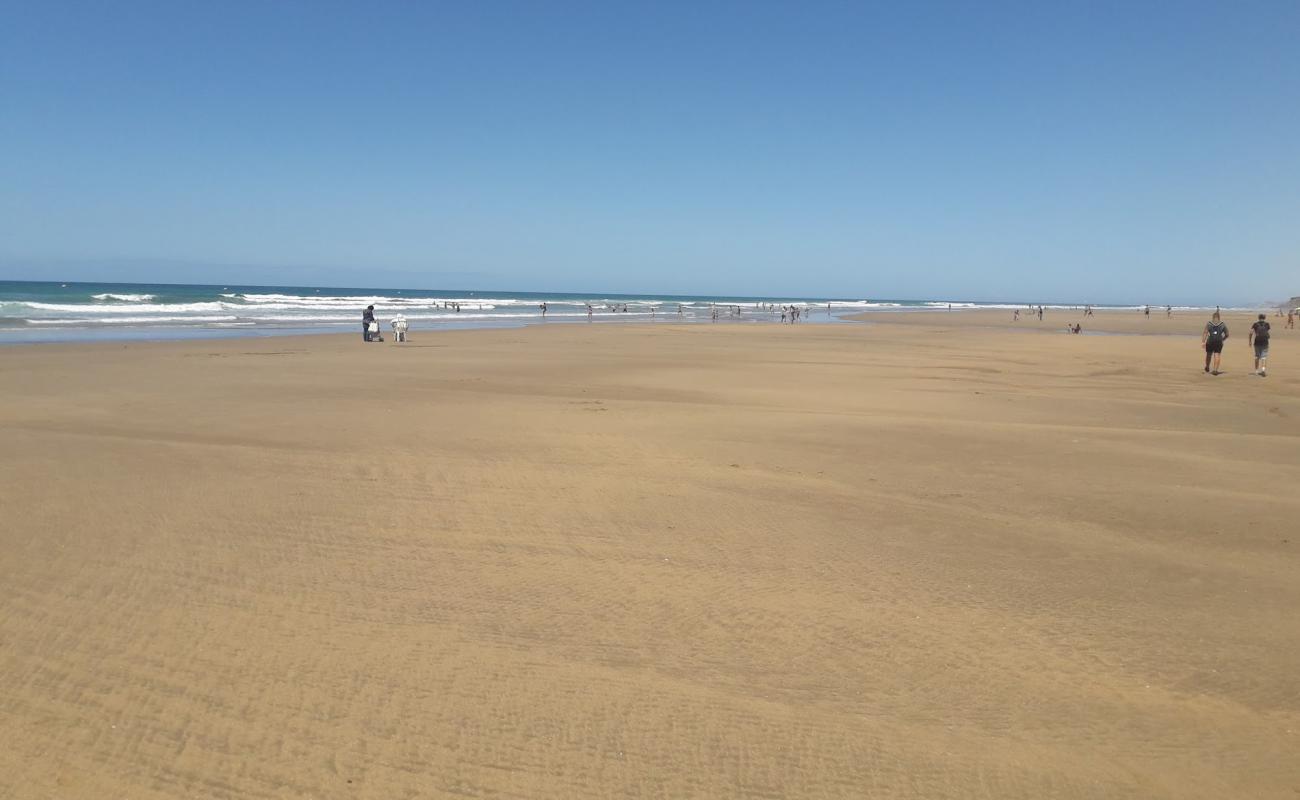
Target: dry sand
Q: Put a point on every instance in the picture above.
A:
(1177, 323)
(570, 561)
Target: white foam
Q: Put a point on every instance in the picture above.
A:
(353, 308)
(126, 298)
(282, 302)
(448, 317)
(125, 308)
(362, 301)
(129, 320)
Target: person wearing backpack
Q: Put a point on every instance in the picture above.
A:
(1216, 333)
(1259, 339)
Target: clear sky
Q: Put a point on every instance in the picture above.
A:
(1128, 151)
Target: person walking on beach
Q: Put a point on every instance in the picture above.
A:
(1290, 318)
(1215, 334)
(367, 317)
(1258, 338)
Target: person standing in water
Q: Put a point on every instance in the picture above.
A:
(1258, 338)
(543, 308)
(1213, 337)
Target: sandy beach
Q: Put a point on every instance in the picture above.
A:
(925, 557)
(1055, 320)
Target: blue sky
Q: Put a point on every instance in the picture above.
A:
(1140, 152)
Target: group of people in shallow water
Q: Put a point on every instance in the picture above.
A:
(1015, 314)
(370, 326)
(1087, 312)
(790, 313)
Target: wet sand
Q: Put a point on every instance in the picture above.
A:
(912, 559)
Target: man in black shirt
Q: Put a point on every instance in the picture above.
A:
(1215, 334)
(1259, 339)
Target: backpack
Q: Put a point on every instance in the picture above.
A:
(1217, 333)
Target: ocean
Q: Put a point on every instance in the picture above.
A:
(47, 312)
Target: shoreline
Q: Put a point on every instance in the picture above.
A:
(34, 312)
(164, 334)
(1108, 322)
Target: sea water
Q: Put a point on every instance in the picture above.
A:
(42, 312)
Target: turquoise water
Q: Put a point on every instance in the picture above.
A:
(39, 312)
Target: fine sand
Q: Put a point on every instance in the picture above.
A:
(912, 559)
(1178, 323)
